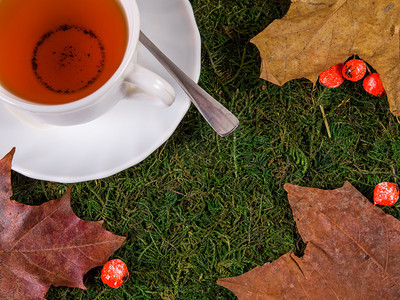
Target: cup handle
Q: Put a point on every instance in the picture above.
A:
(142, 80)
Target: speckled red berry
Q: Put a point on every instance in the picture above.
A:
(373, 85)
(332, 77)
(354, 69)
(386, 193)
(114, 273)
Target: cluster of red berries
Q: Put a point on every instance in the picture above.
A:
(386, 193)
(353, 70)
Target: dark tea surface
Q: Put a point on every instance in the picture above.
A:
(54, 52)
(68, 59)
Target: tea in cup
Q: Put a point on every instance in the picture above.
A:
(67, 62)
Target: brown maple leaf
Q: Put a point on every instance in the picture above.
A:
(46, 244)
(317, 34)
(353, 251)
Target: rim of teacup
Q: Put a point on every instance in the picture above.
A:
(132, 16)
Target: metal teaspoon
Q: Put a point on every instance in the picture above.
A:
(220, 119)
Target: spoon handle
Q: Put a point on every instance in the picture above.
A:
(220, 119)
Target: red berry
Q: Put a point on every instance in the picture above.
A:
(386, 193)
(332, 77)
(354, 69)
(373, 85)
(114, 273)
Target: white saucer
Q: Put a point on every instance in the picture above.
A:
(128, 133)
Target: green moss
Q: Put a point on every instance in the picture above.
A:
(203, 207)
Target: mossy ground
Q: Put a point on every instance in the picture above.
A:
(203, 207)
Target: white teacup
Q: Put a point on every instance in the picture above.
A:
(129, 78)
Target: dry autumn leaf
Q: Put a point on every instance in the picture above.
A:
(353, 251)
(317, 34)
(46, 244)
